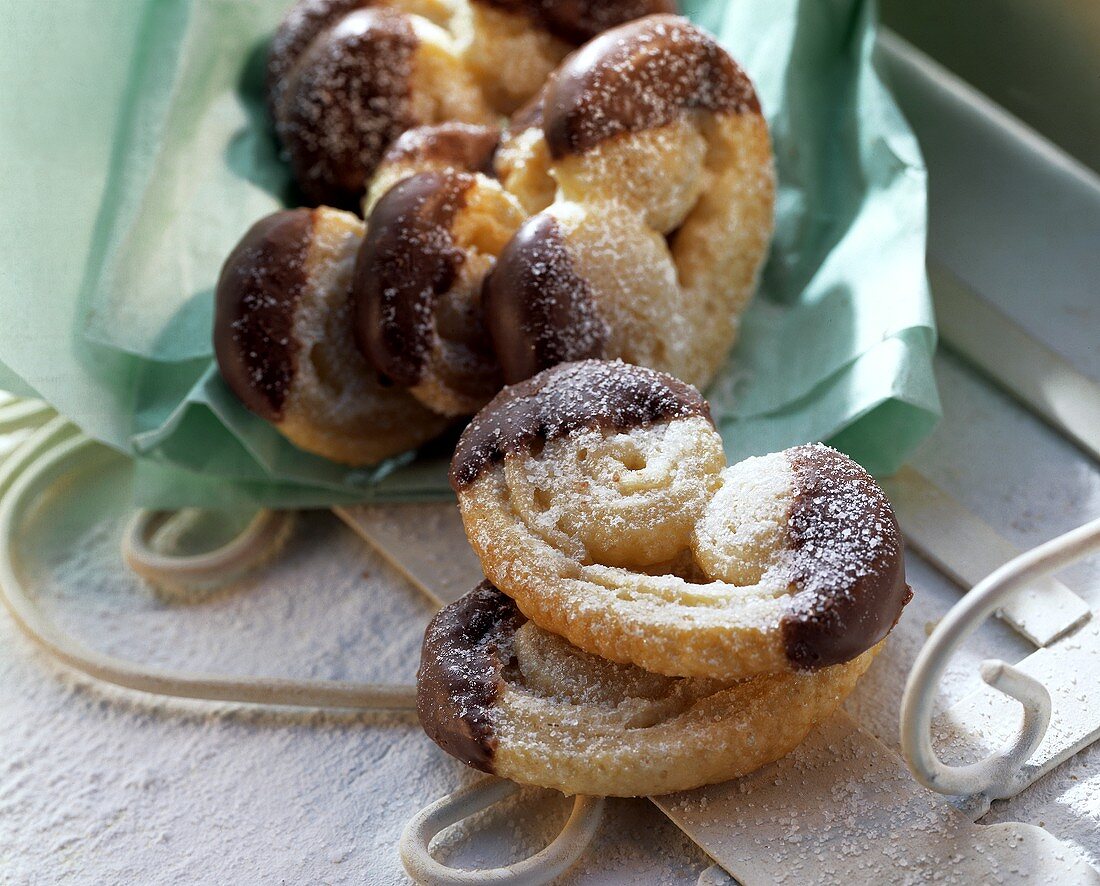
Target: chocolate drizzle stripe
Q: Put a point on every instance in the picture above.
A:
(257, 295)
(538, 309)
(407, 260)
(568, 397)
(640, 76)
(466, 647)
(846, 561)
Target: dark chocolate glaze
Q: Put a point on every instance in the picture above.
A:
(589, 394)
(345, 102)
(846, 560)
(577, 21)
(255, 301)
(301, 26)
(538, 309)
(466, 647)
(639, 76)
(407, 260)
(462, 146)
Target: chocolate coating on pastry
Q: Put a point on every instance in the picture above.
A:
(255, 300)
(538, 309)
(466, 647)
(463, 146)
(347, 100)
(589, 394)
(577, 21)
(407, 260)
(847, 561)
(640, 76)
(303, 23)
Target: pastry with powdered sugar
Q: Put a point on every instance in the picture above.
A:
(347, 77)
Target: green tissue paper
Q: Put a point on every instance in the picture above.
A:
(135, 151)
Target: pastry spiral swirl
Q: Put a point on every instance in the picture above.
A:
(504, 696)
(596, 495)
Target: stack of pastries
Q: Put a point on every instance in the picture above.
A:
(623, 211)
(653, 619)
(551, 214)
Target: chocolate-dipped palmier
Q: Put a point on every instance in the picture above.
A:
(283, 341)
(418, 286)
(512, 45)
(596, 495)
(650, 164)
(504, 696)
(349, 78)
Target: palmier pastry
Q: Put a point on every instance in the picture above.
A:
(346, 77)
(418, 285)
(283, 341)
(649, 164)
(506, 697)
(596, 496)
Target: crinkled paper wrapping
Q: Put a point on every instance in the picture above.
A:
(134, 152)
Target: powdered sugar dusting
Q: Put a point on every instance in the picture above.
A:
(408, 260)
(257, 295)
(639, 76)
(590, 393)
(303, 23)
(540, 310)
(348, 99)
(463, 146)
(465, 648)
(587, 330)
(845, 559)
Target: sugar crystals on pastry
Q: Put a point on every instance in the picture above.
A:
(648, 164)
(509, 698)
(283, 341)
(347, 77)
(436, 223)
(596, 495)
